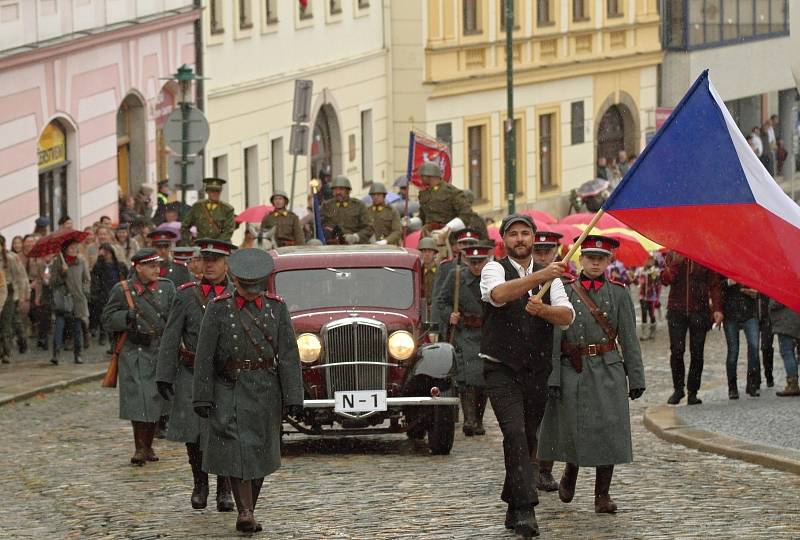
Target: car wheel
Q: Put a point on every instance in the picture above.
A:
(441, 432)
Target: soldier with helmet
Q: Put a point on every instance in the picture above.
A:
(246, 378)
(288, 230)
(442, 205)
(428, 250)
(345, 218)
(597, 367)
(212, 217)
(385, 219)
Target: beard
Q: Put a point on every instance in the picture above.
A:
(520, 251)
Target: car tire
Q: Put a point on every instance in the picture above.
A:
(442, 430)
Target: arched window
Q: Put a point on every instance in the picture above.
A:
(53, 166)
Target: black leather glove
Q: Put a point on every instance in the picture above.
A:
(165, 389)
(203, 411)
(293, 410)
(554, 392)
(130, 318)
(636, 393)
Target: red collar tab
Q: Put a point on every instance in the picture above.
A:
(241, 301)
(208, 287)
(140, 287)
(589, 283)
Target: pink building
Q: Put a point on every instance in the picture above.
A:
(82, 100)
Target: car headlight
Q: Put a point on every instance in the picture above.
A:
(401, 345)
(310, 347)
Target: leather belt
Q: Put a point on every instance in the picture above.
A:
(234, 367)
(575, 352)
(186, 357)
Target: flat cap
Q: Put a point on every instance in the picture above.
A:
(510, 219)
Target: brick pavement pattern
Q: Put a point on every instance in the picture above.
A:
(66, 475)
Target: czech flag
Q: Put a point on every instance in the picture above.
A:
(699, 189)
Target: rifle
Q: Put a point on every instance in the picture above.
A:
(110, 378)
(456, 296)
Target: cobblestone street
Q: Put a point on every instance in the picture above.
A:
(66, 475)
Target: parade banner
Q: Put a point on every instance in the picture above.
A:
(422, 148)
(699, 189)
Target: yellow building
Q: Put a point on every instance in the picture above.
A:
(585, 85)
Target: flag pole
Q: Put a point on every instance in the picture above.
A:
(404, 221)
(573, 249)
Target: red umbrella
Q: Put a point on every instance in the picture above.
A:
(606, 221)
(569, 232)
(254, 214)
(540, 216)
(412, 239)
(47, 245)
(630, 252)
(499, 246)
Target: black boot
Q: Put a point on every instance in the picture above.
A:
(733, 389)
(468, 410)
(224, 499)
(676, 396)
(56, 354)
(256, 484)
(752, 384)
(77, 356)
(602, 501)
(566, 488)
(480, 408)
(161, 427)
(693, 399)
(200, 489)
(139, 441)
(525, 524)
(546, 482)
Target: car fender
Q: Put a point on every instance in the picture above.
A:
(435, 360)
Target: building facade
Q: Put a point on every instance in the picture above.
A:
(745, 45)
(82, 97)
(253, 53)
(585, 86)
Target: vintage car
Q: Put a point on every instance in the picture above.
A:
(357, 313)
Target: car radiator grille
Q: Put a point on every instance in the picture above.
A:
(353, 341)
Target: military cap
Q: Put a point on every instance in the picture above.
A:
(595, 243)
(341, 181)
(401, 181)
(278, 193)
(162, 236)
(546, 239)
(184, 253)
(251, 268)
(145, 256)
(430, 168)
(210, 246)
(427, 243)
(213, 184)
(478, 251)
(510, 219)
(377, 187)
(468, 235)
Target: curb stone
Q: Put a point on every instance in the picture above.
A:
(27, 394)
(663, 421)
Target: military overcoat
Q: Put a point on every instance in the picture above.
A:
(212, 219)
(176, 272)
(442, 203)
(138, 397)
(350, 215)
(244, 427)
(183, 327)
(590, 425)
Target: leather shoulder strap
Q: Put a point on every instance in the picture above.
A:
(598, 315)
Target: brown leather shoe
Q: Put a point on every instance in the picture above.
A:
(566, 488)
(139, 456)
(224, 498)
(199, 496)
(604, 505)
(546, 482)
(246, 522)
(602, 501)
(150, 431)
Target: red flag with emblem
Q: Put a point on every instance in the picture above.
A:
(422, 148)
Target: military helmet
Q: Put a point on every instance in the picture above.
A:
(427, 243)
(377, 187)
(430, 168)
(341, 181)
(469, 195)
(278, 193)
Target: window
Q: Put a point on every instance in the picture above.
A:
(519, 158)
(444, 133)
(245, 14)
(215, 13)
(306, 8)
(251, 184)
(579, 11)
(543, 13)
(476, 143)
(367, 171)
(614, 8)
(335, 6)
(276, 152)
(363, 4)
(502, 14)
(546, 155)
(271, 11)
(219, 168)
(471, 16)
(577, 122)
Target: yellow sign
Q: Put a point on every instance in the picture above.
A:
(52, 146)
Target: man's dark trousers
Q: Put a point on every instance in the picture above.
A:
(697, 323)
(518, 400)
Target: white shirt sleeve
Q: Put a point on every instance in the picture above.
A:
(492, 275)
(558, 298)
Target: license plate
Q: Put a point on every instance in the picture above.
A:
(360, 401)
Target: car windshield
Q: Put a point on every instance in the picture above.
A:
(391, 288)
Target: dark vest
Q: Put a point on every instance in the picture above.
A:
(512, 336)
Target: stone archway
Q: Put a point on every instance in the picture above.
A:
(131, 144)
(57, 186)
(326, 143)
(617, 128)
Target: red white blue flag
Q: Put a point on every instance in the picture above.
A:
(699, 189)
(422, 148)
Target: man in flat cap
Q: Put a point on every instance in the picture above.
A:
(246, 377)
(597, 367)
(139, 306)
(176, 357)
(212, 217)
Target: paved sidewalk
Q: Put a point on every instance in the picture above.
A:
(32, 373)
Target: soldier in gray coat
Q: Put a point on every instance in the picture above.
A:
(139, 400)
(176, 364)
(597, 366)
(246, 377)
(465, 325)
